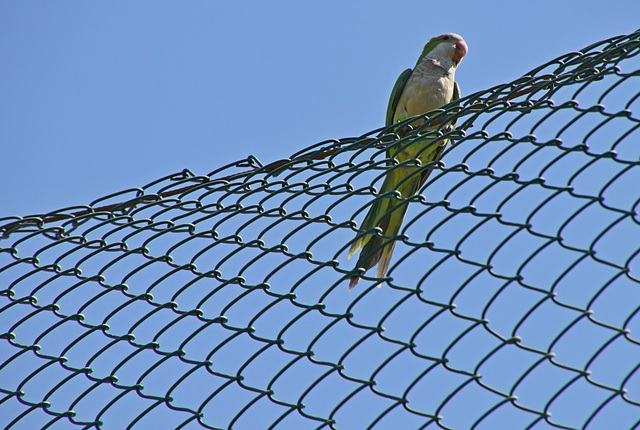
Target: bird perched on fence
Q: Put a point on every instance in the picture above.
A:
(430, 85)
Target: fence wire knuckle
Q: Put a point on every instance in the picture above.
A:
(220, 301)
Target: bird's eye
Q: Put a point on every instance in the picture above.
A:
(445, 38)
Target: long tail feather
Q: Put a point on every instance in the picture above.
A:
(388, 217)
(387, 213)
(374, 217)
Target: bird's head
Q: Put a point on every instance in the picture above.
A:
(448, 46)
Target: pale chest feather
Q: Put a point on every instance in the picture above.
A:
(423, 92)
(428, 88)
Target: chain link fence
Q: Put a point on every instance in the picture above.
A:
(220, 301)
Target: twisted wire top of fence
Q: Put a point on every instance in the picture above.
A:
(220, 301)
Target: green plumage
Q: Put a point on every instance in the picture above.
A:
(387, 211)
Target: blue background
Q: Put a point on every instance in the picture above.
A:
(97, 97)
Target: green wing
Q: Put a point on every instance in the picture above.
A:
(456, 92)
(456, 96)
(395, 95)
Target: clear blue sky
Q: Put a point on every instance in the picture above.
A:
(97, 97)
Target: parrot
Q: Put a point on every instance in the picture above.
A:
(430, 85)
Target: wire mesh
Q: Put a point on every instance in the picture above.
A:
(220, 301)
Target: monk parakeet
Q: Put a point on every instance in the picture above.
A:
(430, 85)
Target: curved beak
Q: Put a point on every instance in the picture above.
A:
(461, 51)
